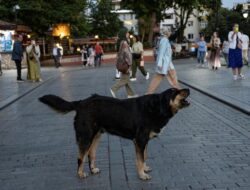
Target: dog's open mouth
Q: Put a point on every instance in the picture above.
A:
(185, 102)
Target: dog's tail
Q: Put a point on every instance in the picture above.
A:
(58, 103)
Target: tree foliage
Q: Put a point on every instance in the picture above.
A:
(148, 12)
(39, 15)
(186, 9)
(225, 20)
(104, 23)
(151, 11)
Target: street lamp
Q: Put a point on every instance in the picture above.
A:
(245, 14)
(15, 10)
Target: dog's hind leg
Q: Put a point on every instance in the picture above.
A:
(139, 149)
(92, 154)
(81, 158)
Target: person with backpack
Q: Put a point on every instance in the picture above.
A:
(124, 62)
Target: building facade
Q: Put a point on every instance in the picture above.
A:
(126, 16)
(192, 32)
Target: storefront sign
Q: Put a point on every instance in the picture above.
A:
(6, 42)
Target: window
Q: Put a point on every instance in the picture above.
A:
(190, 36)
(169, 16)
(190, 23)
(203, 24)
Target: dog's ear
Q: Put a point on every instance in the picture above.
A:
(184, 92)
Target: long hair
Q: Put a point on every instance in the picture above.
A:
(124, 52)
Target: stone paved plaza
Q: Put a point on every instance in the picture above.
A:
(204, 147)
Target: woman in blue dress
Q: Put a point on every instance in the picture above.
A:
(235, 52)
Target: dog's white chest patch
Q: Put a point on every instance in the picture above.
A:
(154, 134)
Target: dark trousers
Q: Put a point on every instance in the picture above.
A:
(19, 69)
(135, 64)
(98, 59)
(56, 60)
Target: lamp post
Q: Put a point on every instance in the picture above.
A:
(245, 15)
(15, 10)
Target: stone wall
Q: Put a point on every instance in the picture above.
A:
(7, 63)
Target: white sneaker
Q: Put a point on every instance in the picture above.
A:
(241, 76)
(133, 79)
(133, 96)
(235, 77)
(147, 76)
(112, 93)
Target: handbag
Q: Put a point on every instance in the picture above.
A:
(122, 67)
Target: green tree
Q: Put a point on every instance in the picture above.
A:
(226, 19)
(104, 23)
(148, 12)
(184, 9)
(39, 15)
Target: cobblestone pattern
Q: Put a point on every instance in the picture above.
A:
(202, 148)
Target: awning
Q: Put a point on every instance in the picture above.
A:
(23, 28)
(7, 26)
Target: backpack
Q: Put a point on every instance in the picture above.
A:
(122, 66)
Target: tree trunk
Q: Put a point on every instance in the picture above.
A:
(151, 28)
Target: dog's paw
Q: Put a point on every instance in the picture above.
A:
(147, 168)
(82, 175)
(95, 170)
(144, 176)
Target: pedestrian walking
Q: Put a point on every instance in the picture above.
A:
(56, 52)
(215, 51)
(202, 50)
(225, 50)
(17, 56)
(123, 34)
(123, 55)
(245, 43)
(91, 58)
(164, 65)
(235, 52)
(138, 62)
(98, 54)
(84, 57)
(33, 61)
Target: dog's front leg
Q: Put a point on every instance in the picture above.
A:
(139, 148)
(146, 167)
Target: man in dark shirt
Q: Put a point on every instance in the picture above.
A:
(17, 55)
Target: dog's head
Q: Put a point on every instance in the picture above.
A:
(178, 99)
(168, 102)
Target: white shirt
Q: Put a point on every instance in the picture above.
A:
(232, 42)
(245, 41)
(55, 51)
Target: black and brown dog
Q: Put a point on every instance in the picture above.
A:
(139, 119)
